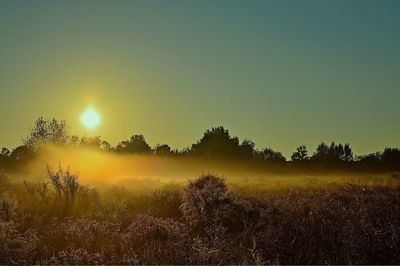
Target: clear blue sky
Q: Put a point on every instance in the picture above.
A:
(282, 73)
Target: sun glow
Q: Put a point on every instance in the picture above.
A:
(90, 118)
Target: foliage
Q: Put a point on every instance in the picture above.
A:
(333, 153)
(301, 154)
(216, 143)
(135, 144)
(271, 156)
(162, 149)
(46, 131)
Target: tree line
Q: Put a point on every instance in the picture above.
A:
(216, 143)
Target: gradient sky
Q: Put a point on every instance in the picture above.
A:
(281, 73)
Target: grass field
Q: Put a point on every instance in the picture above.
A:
(209, 220)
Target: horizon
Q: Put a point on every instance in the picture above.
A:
(277, 73)
(84, 140)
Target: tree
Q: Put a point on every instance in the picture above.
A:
(337, 151)
(322, 152)
(301, 154)
(269, 154)
(217, 142)
(22, 153)
(348, 153)
(247, 149)
(370, 161)
(5, 152)
(4, 157)
(135, 144)
(334, 155)
(328, 153)
(105, 145)
(74, 140)
(46, 131)
(162, 149)
(391, 158)
(90, 142)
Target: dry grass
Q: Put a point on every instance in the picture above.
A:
(205, 222)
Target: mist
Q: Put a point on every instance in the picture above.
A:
(99, 168)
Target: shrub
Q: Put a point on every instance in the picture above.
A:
(206, 201)
(159, 240)
(202, 199)
(16, 247)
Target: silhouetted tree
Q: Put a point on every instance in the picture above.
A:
(270, 155)
(162, 149)
(5, 152)
(335, 155)
(247, 149)
(106, 146)
(22, 153)
(46, 131)
(391, 158)
(4, 157)
(136, 144)
(74, 140)
(217, 142)
(322, 152)
(336, 151)
(301, 154)
(370, 161)
(348, 153)
(90, 142)
(181, 153)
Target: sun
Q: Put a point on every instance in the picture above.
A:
(90, 118)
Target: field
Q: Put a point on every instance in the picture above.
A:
(205, 220)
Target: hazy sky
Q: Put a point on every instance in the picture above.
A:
(281, 73)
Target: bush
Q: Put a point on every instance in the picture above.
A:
(16, 247)
(159, 240)
(206, 201)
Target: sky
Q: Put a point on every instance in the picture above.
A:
(281, 73)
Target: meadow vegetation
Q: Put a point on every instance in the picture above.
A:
(206, 221)
(159, 206)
